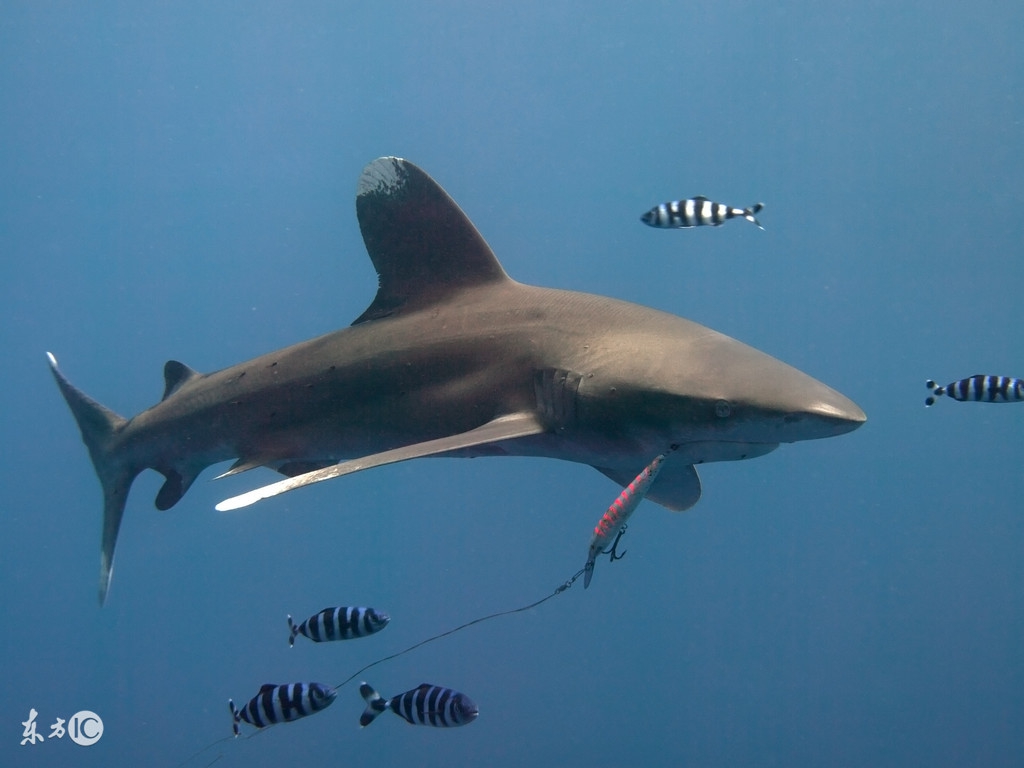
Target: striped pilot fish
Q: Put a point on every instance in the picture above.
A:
(424, 705)
(613, 522)
(342, 623)
(980, 388)
(696, 212)
(282, 704)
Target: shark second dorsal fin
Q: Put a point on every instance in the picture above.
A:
(176, 375)
(422, 245)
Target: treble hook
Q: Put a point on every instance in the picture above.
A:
(612, 549)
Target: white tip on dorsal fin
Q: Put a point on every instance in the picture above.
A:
(422, 245)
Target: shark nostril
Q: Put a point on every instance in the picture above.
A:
(723, 409)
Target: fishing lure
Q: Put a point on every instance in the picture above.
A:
(612, 524)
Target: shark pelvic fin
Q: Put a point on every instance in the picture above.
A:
(502, 428)
(422, 245)
(288, 468)
(242, 465)
(98, 426)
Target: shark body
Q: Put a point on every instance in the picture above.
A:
(455, 358)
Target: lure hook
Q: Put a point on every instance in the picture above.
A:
(612, 551)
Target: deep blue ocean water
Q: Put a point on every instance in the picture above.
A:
(178, 182)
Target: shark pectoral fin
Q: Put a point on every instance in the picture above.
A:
(677, 486)
(296, 468)
(502, 428)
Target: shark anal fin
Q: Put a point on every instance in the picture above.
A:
(497, 430)
(422, 245)
(677, 486)
(175, 486)
(171, 491)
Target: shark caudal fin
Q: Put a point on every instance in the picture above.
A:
(99, 425)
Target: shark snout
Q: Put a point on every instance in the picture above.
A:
(828, 416)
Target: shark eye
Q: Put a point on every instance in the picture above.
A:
(722, 409)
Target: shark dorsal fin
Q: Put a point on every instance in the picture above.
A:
(176, 375)
(422, 245)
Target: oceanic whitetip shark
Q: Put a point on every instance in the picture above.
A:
(454, 358)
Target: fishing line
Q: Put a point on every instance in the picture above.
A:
(559, 590)
(612, 524)
(197, 753)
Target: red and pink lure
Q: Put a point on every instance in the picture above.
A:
(612, 522)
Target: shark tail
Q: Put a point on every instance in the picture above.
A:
(750, 213)
(375, 704)
(99, 425)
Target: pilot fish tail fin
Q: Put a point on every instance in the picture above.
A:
(935, 391)
(236, 718)
(375, 704)
(99, 425)
(750, 213)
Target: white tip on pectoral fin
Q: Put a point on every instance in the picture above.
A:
(502, 428)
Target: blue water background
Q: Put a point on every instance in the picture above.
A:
(178, 182)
